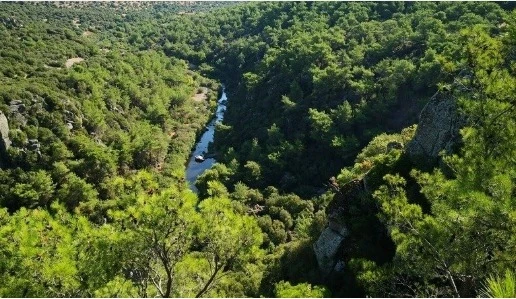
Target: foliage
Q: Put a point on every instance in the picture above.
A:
(326, 78)
(98, 98)
(286, 290)
(501, 287)
(468, 232)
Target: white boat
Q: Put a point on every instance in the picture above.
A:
(199, 158)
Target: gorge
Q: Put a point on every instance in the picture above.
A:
(355, 149)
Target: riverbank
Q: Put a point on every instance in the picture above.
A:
(194, 168)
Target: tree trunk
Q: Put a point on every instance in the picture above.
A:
(209, 282)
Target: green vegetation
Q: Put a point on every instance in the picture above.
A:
(324, 100)
(285, 290)
(501, 287)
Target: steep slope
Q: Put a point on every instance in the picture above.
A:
(107, 116)
(446, 218)
(98, 118)
(437, 130)
(311, 84)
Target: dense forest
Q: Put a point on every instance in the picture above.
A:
(368, 149)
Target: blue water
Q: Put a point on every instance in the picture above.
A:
(194, 169)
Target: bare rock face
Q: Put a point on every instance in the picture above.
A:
(5, 143)
(334, 235)
(438, 130)
(326, 249)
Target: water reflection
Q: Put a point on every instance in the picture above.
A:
(194, 169)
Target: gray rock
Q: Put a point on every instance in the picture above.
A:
(329, 242)
(339, 267)
(326, 249)
(18, 118)
(34, 146)
(5, 142)
(17, 106)
(335, 234)
(17, 110)
(438, 130)
(338, 227)
(21, 108)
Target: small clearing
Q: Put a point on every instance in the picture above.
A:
(202, 95)
(87, 33)
(72, 61)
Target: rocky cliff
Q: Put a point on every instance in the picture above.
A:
(5, 143)
(334, 235)
(438, 129)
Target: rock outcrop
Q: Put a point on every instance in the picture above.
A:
(438, 130)
(326, 249)
(334, 235)
(17, 111)
(5, 143)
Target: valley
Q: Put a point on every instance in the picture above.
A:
(257, 149)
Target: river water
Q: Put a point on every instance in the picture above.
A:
(194, 169)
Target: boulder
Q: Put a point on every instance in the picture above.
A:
(438, 130)
(17, 106)
(34, 145)
(334, 235)
(5, 142)
(326, 249)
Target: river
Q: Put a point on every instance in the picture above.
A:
(194, 169)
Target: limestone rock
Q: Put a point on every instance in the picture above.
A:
(5, 142)
(333, 237)
(339, 266)
(326, 249)
(34, 144)
(16, 112)
(438, 129)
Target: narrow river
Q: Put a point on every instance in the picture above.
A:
(194, 168)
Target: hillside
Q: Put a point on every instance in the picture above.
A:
(367, 149)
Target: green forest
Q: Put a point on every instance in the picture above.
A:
(368, 149)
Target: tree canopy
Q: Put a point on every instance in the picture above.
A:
(99, 116)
